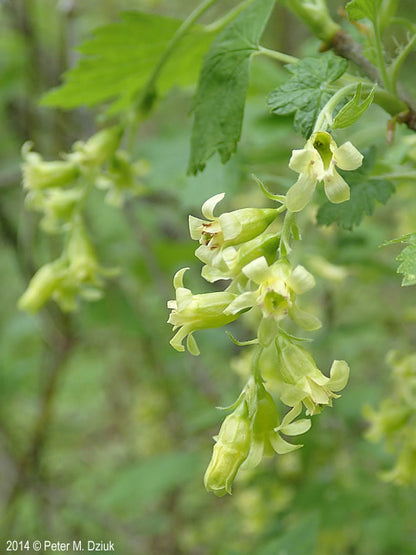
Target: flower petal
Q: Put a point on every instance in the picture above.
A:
(245, 300)
(296, 428)
(191, 345)
(300, 160)
(300, 193)
(282, 446)
(291, 395)
(212, 274)
(347, 157)
(336, 189)
(257, 270)
(195, 227)
(339, 375)
(231, 225)
(304, 319)
(210, 204)
(178, 278)
(301, 280)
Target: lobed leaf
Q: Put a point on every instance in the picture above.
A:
(306, 92)
(220, 97)
(359, 9)
(118, 61)
(366, 191)
(407, 258)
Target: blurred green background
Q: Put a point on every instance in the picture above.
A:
(105, 430)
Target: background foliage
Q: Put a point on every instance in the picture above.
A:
(105, 431)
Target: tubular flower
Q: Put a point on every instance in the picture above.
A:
(194, 312)
(304, 382)
(266, 438)
(317, 161)
(278, 286)
(230, 228)
(230, 451)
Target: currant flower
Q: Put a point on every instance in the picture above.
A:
(304, 382)
(318, 161)
(265, 429)
(230, 451)
(278, 286)
(230, 228)
(194, 312)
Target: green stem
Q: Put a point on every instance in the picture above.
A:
(397, 64)
(316, 16)
(285, 58)
(284, 247)
(325, 117)
(148, 94)
(381, 63)
(255, 367)
(223, 21)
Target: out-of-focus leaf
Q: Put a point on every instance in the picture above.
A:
(118, 61)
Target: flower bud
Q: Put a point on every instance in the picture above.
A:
(230, 451)
(42, 286)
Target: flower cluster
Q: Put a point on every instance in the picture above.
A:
(244, 248)
(58, 190)
(76, 273)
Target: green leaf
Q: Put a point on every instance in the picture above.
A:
(407, 258)
(365, 192)
(353, 110)
(222, 88)
(306, 92)
(359, 9)
(118, 61)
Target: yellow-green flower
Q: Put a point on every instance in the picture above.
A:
(318, 161)
(278, 286)
(230, 228)
(230, 451)
(194, 312)
(304, 382)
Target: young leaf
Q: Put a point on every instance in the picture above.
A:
(118, 61)
(353, 110)
(359, 9)
(407, 258)
(222, 88)
(306, 92)
(365, 192)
